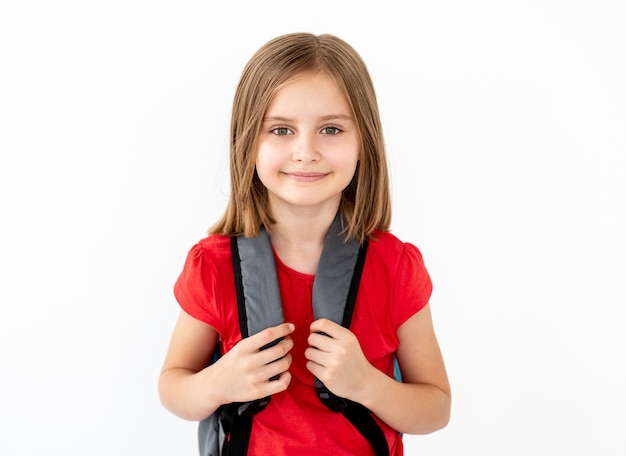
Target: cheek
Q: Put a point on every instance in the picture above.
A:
(266, 163)
(261, 158)
(347, 162)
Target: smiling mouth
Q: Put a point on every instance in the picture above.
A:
(306, 177)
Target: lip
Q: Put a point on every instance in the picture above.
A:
(306, 176)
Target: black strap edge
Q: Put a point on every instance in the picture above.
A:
(241, 300)
(362, 419)
(354, 286)
(238, 438)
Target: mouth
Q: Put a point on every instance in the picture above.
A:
(305, 177)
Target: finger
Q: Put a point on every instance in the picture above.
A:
(315, 369)
(315, 356)
(268, 336)
(280, 384)
(321, 341)
(275, 352)
(276, 368)
(328, 327)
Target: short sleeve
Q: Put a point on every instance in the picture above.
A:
(195, 287)
(412, 285)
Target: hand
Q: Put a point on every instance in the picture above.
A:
(335, 357)
(245, 371)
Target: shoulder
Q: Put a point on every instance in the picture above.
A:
(214, 243)
(207, 273)
(213, 246)
(402, 265)
(206, 259)
(389, 249)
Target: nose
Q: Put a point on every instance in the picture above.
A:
(306, 149)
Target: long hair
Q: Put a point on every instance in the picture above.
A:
(366, 203)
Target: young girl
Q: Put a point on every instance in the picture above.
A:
(306, 145)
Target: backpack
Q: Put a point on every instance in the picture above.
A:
(226, 432)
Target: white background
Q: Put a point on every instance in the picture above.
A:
(506, 130)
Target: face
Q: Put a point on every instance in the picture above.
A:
(309, 145)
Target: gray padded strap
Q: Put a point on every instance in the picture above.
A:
(260, 282)
(334, 274)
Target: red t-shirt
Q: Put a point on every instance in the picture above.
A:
(394, 286)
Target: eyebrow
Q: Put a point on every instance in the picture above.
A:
(323, 118)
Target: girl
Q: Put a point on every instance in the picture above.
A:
(306, 145)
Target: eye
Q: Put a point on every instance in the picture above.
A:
(281, 131)
(330, 131)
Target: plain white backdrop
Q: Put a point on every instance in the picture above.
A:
(506, 130)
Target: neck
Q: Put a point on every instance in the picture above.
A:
(298, 238)
(299, 229)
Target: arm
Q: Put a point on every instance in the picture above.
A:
(425, 384)
(418, 405)
(192, 391)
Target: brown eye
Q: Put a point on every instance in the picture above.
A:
(281, 131)
(331, 131)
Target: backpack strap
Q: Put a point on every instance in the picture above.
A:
(256, 282)
(259, 306)
(334, 277)
(334, 297)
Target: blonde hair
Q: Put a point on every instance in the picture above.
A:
(366, 202)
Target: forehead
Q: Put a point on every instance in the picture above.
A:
(310, 91)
